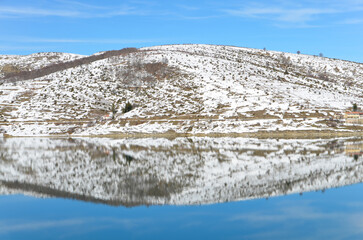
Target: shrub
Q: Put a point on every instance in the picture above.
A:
(355, 107)
(128, 107)
(113, 110)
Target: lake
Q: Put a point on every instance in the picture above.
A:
(196, 188)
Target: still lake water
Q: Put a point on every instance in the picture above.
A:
(183, 188)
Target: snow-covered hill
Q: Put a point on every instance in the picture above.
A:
(187, 89)
(182, 171)
(17, 63)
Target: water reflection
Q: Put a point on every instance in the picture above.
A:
(354, 149)
(181, 171)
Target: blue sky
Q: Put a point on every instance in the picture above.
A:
(331, 27)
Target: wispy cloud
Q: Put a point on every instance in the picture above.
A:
(26, 45)
(6, 48)
(6, 227)
(337, 224)
(284, 14)
(70, 9)
(30, 11)
(188, 7)
(295, 13)
(77, 9)
(20, 225)
(352, 21)
(286, 214)
(196, 17)
(70, 3)
(69, 40)
(100, 41)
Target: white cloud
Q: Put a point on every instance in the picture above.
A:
(6, 227)
(288, 213)
(187, 7)
(29, 11)
(352, 21)
(20, 225)
(301, 15)
(4, 48)
(286, 13)
(96, 41)
(70, 10)
(80, 4)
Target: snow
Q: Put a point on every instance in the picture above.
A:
(218, 89)
(184, 170)
(36, 60)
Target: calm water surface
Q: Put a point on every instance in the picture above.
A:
(196, 188)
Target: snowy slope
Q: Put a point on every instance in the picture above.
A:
(185, 89)
(10, 63)
(182, 171)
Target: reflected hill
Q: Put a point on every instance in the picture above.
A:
(354, 149)
(182, 171)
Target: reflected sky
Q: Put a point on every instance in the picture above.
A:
(332, 214)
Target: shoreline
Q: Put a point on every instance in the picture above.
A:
(287, 134)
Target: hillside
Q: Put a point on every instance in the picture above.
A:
(11, 64)
(185, 89)
(181, 171)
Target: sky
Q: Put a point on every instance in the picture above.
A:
(331, 27)
(334, 214)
